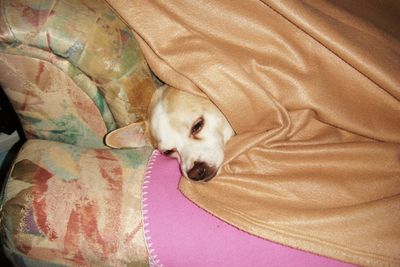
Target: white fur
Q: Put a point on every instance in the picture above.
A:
(172, 131)
(172, 115)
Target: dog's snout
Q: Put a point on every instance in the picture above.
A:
(201, 171)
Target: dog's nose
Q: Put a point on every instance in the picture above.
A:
(201, 171)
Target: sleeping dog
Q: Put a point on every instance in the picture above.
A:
(187, 127)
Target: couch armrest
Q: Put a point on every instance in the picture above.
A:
(92, 38)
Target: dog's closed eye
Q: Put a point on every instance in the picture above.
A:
(197, 126)
(168, 152)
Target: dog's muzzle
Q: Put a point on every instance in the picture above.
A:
(201, 171)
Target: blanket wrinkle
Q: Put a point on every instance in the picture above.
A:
(312, 89)
(363, 21)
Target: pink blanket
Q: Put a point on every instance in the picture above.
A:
(179, 233)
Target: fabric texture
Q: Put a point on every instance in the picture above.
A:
(312, 91)
(91, 37)
(85, 84)
(181, 234)
(74, 206)
(73, 71)
(50, 104)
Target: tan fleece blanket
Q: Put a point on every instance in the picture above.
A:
(312, 89)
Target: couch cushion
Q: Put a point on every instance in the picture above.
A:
(49, 103)
(74, 206)
(92, 38)
(85, 83)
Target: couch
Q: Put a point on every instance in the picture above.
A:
(310, 88)
(73, 72)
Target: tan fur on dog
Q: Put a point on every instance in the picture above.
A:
(181, 125)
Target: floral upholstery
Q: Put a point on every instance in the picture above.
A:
(51, 105)
(91, 38)
(73, 72)
(71, 206)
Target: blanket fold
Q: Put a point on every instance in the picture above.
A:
(312, 90)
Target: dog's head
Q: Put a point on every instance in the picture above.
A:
(184, 126)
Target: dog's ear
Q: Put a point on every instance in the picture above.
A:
(130, 136)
